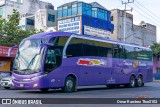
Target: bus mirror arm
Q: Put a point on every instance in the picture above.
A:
(10, 50)
(43, 45)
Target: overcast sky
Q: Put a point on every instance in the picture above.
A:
(143, 10)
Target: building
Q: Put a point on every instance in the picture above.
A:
(45, 18)
(27, 22)
(143, 34)
(23, 6)
(42, 19)
(84, 18)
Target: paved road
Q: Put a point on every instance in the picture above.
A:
(150, 90)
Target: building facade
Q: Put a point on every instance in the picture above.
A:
(45, 18)
(84, 18)
(42, 19)
(27, 22)
(23, 6)
(143, 34)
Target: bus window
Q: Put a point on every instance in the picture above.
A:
(59, 41)
(122, 52)
(130, 52)
(90, 50)
(74, 50)
(116, 51)
(53, 59)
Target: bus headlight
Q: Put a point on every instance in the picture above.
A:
(38, 77)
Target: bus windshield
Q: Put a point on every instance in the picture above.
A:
(28, 59)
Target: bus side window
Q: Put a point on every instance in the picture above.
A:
(90, 50)
(74, 50)
(122, 52)
(116, 51)
(130, 52)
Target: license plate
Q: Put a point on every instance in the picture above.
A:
(21, 85)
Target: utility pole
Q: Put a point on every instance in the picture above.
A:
(124, 30)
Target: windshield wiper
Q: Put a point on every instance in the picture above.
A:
(31, 62)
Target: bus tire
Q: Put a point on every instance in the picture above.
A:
(44, 89)
(132, 82)
(69, 85)
(110, 86)
(7, 88)
(140, 82)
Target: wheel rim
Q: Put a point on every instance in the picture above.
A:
(69, 84)
(139, 81)
(132, 82)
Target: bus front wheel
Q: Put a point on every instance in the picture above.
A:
(132, 82)
(69, 85)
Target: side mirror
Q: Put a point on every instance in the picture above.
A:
(10, 50)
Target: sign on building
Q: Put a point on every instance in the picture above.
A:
(72, 25)
(97, 32)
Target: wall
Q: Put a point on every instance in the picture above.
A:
(135, 34)
(28, 6)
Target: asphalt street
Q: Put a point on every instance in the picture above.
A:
(150, 90)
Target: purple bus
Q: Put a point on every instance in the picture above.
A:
(66, 60)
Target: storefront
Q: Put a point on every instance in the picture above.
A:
(6, 61)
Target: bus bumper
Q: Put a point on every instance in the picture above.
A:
(28, 85)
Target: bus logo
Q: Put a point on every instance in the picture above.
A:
(91, 62)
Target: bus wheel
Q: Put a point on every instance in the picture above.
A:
(44, 89)
(7, 88)
(140, 81)
(110, 86)
(69, 85)
(132, 82)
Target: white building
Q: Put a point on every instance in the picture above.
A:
(23, 6)
(45, 18)
(143, 34)
(27, 22)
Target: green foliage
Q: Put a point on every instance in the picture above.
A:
(10, 33)
(156, 49)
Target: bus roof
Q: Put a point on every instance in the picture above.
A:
(49, 35)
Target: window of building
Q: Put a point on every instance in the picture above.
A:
(112, 18)
(30, 22)
(20, 1)
(94, 12)
(101, 14)
(106, 15)
(69, 11)
(1, 11)
(80, 8)
(74, 9)
(59, 12)
(51, 17)
(65, 11)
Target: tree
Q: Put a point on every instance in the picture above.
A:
(10, 33)
(156, 49)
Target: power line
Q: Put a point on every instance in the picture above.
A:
(145, 16)
(147, 13)
(147, 9)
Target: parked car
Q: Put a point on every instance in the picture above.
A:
(6, 82)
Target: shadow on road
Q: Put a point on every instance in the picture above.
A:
(83, 89)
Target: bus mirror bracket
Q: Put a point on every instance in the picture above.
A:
(10, 50)
(43, 45)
